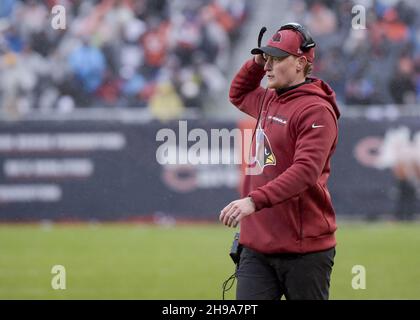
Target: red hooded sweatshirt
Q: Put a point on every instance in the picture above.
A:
(293, 146)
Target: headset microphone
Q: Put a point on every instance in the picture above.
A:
(260, 36)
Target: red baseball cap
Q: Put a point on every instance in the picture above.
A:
(284, 43)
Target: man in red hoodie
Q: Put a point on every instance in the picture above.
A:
(286, 216)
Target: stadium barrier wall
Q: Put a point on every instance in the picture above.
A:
(108, 170)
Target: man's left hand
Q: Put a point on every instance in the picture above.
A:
(235, 211)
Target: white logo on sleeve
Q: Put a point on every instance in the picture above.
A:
(315, 126)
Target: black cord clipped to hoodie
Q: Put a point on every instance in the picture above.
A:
(259, 117)
(226, 283)
(235, 254)
(233, 276)
(226, 286)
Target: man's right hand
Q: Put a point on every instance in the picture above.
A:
(258, 58)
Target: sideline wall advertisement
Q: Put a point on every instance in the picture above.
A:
(95, 170)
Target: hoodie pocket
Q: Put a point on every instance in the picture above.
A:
(324, 193)
(315, 209)
(328, 213)
(298, 217)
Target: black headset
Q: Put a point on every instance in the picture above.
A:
(306, 45)
(308, 42)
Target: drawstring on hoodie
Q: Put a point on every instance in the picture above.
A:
(256, 125)
(258, 119)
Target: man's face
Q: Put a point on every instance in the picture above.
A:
(284, 72)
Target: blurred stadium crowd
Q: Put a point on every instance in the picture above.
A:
(376, 65)
(174, 54)
(116, 53)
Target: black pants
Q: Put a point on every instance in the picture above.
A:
(296, 276)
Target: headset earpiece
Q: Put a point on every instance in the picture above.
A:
(308, 42)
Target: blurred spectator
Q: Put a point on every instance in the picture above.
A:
(406, 195)
(166, 104)
(116, 53)
(321, 20)
(88, 65)
(401, 154)
(402, 85)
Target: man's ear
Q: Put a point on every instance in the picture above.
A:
(301, 63)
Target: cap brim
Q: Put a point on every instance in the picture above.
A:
(271, 51)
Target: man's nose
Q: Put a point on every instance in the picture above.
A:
(267, 66)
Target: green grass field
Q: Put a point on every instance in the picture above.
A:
(135, 261)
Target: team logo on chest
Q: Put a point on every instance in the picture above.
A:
(264, 155)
